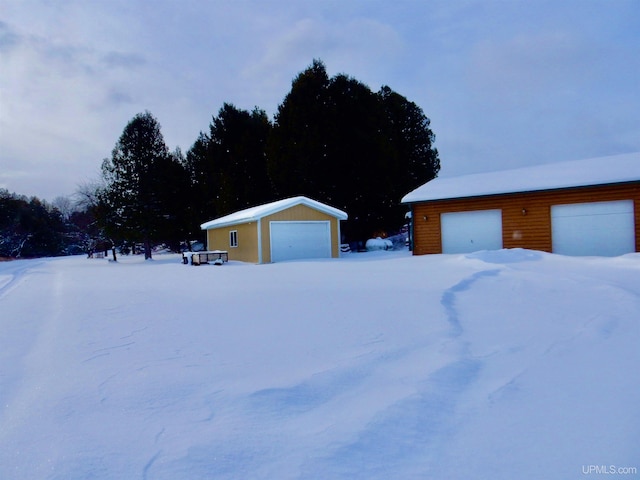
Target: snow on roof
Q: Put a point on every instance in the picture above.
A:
(576, 173)
(255, 213)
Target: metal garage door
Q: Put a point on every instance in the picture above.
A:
(295, 240)
(464, 232)
(598, 228)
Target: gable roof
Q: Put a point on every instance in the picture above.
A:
(576, 173)
(255, 213)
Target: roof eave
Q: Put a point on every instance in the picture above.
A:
(328, 210)
(516, 192)
(207, 226)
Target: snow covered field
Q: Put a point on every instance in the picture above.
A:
(496, 365)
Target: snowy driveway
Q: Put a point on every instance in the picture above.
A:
(508, 364)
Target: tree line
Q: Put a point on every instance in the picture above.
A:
(331, 139)
(31, 227)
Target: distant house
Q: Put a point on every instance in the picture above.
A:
(293, 228)
(584, 207)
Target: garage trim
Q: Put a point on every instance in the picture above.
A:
(259, 231)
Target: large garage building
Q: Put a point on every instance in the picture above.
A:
(583, 207)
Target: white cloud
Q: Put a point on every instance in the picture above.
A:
(58, 97)
(362, 47)
(526, 66)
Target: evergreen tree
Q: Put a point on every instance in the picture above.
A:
(172, 185)
(297, 147)
(338, 142)
(228, 166)
(356, 152)
(204, 182)
(408, 130)
(133, 204)
(238, 140)
(410, 158)
(30, 227)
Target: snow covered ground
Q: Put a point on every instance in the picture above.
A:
(511, 364)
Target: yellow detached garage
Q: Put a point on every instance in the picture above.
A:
(289, 229)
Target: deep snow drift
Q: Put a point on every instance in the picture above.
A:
(494, 365)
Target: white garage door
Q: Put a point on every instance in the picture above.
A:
(464, 232)
(598, 228)
(295, 240)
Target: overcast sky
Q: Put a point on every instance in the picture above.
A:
(505, 83)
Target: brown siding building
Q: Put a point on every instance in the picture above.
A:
(588, 207)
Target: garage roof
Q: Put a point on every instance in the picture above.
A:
(576, 173)
(254, 213)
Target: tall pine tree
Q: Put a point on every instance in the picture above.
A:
(338, 142)
(297, 147)
(228, 166)
(238, 139)
(135, 205)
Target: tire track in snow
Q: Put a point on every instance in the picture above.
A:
(407, 432)
(12, 276)
(149, 464)
(423, 420)
(36, 356)
(448, 299)
(323, 386)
